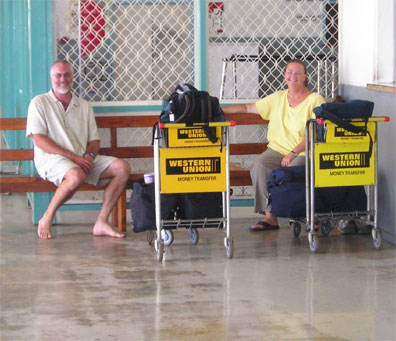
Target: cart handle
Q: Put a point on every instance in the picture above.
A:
(321, 121)
(210, 124)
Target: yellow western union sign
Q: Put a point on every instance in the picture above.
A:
(333, 160)
(345, 158)
(343, 165)
(191, 170)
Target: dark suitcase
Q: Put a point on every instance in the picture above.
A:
(203, 205)
(142, 205)
(286, 188)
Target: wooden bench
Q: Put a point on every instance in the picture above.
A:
(27, 183)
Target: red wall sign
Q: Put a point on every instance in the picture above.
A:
(216, 10)
(93, 23)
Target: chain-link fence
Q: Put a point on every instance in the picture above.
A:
(258, 37)
(126, 50)
(138, 50)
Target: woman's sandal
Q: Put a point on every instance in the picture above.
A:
(263, 226)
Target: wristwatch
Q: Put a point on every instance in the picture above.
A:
(92, 155)
(294, 153)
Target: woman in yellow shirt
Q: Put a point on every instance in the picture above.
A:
(287, 112)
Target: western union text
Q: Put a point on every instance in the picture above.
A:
(340, 132)
(344, 160)
(342, 173)
(197, 178)
(195, 133)
(207, 165)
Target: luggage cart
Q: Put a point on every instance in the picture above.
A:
(174, 144)
(342, 159)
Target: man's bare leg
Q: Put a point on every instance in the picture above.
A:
(72, 180)
(119, 172)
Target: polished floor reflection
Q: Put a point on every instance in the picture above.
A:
(81, 287)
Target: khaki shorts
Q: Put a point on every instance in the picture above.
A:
(58, 172)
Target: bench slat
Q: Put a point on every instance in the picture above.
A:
(132, 121)
(102, 122)
(149, 121)
(12, 123)
(23, 184)
(245, 119)
(126, 121)
(240, 178)
(247, 148)
(120, 152)
(16, 154)
(131, 152)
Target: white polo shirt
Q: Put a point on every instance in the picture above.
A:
(71, 129)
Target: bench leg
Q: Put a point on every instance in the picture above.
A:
(119, 213)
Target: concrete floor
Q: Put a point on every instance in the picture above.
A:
(81, 287)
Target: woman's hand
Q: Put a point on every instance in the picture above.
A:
(287, 159)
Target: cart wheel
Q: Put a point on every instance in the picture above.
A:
(167, 237)
(229, 247)
(325, 228)
(194, 236)
(342, 224)
(313, 243)
(377, 238)
(296, 228)
(159, 249)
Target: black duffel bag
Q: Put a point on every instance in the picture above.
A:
(356, 108)
(203, 205)
(142, 205)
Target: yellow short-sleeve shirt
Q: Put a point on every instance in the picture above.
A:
(286, 127)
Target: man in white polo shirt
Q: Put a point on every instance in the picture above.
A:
(66, 146)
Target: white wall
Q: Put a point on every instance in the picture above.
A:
(386, 33)
(367, 41)
(357, 41)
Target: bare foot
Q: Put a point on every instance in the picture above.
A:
(44, 228)
(104, 229)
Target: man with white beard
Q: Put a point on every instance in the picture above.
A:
(66, 145)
